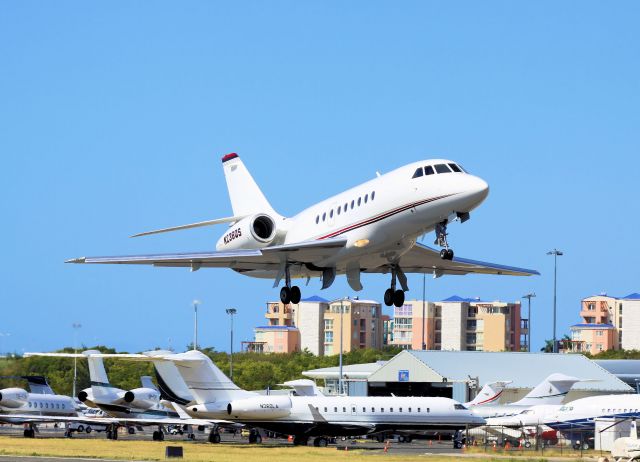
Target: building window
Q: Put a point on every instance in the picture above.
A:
(328, 324)
(328, 337)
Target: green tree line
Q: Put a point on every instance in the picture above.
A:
(251, 371)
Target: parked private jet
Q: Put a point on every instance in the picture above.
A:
(215, 396)
(551, 390)
(371, 228)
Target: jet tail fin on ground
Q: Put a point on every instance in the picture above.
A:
(552, 390)
(146, 382)
(489, 394)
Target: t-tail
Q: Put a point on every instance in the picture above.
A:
(489, 394)
(100, 385)
(551, 391)
(245, 195)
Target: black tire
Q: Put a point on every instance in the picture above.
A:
(323, 443)
(160, 436)
(214, 437)
(108, 434)
(80, 428)
(443, 254)
(408, 439)
(388, 297)
(296, 295)
(131, 431)
(401, 438)
(154, 436)
(88, 429)
(285, 295)
(527, 444)
(114, 435)
(258, 439)
(398, 298)
(449, 254)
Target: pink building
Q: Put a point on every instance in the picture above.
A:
(276, 339)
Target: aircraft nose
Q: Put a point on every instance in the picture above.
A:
(479, 188)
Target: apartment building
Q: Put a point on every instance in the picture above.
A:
(315, 324)
(607, 323)
(457, 324)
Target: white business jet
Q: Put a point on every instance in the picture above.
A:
(370, 228)
(215, 396)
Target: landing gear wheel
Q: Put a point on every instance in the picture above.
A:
(155, 436)
(214, 437)
(320, 442)
(296, 295)
(300, 440)
(285, 295)
(108, 435)
(398, 298)
(388, 297)
(258, 439)
(449, 254)
(131, 431)
(88, 430)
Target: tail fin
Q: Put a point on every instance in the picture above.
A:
(205, 382)
(146, 382)
(38, 384)
(489, 394)
(98, 375)
(245, 195)
(552, 390)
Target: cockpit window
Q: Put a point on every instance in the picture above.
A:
(458, 407)
(455, 168)
(528, 411)
(417, 173)
(428, 170)
(442, 168)
(462, 168)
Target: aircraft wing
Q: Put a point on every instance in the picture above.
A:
(423, 259)
(30, 418)
(268, 258)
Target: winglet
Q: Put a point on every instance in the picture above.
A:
(77, 260)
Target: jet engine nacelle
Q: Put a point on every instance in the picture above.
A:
(260, 407)
(142, 398)
(13, 397)
(86, 397)
(254, 232)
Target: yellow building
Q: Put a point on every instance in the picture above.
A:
(360, 324)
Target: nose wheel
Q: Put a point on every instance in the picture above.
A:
(441, 240)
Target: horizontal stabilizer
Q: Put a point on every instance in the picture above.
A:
(217, 221)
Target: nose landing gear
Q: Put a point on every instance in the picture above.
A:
(441, 240)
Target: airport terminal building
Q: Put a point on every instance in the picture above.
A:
(461, 374)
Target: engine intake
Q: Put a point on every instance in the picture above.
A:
(254, 232)
(13, 397)
(141, 398)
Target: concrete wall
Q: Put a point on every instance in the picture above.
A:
(630, 324)
(453, 330)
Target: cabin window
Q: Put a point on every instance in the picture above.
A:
(409, 410)
(331, 214)
(317, 219)
(346, 206)
(335, 409)
(46, 405)
(373, 195)
(418, 173)
(428, 170)
(352, 204)
(399, 409)
(366, 198)
(428, 410)
(359, 201)
(324, 216)
(325, 409)
(344, 409)
(353, 409)
(339, 207)
(63, 406)
(364, 409)
(418, 409)
(455, 168)
(442, 168)
(29, 404)
(390, 409)
(381, 409)
(459, 407)
(373, 409)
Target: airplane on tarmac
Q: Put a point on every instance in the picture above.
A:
(371, 228)
(215, 396)
(576, 419)
(17, 406)
(140, 406)
(551, 390)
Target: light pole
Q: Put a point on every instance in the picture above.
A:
(195, 323)
(529, 296)
(231, 312)
(424, 291)
(76, 326)
(340, 368)
(556, 253)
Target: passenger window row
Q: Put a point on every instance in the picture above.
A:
(373, 409)
(344, 208)
(439, 168)
(46, 405)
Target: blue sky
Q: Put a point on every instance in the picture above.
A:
(114, 116)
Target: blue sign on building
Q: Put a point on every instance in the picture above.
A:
(403, 376)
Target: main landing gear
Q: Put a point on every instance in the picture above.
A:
(289, 294)
(391, 295)
(441, 240)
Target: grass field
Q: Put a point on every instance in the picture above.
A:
(196, 452)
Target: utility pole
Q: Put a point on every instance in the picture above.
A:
(424, 291)
(340, 368)
(529, 296)
(76, 326)
(556, 253)
(195, 323)
(231, 312)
